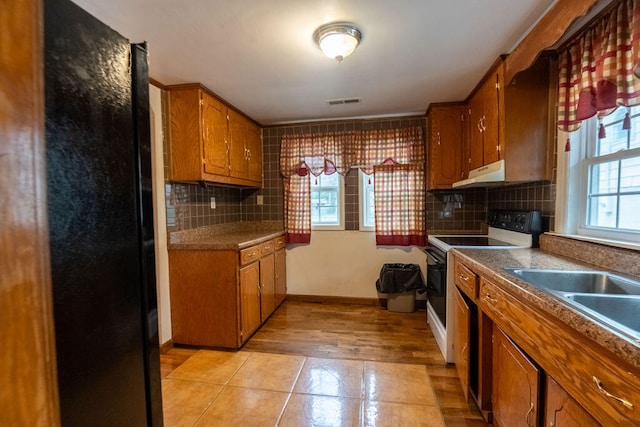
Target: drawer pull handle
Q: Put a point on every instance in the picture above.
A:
(529, 423)
(463, 277)
(491, 299)
(602, 390)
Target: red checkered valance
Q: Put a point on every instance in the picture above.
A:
(600, 70)
(400, 190)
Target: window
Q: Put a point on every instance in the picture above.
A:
(367, 206)
(606, 177)
(613, 168)
(327, 212)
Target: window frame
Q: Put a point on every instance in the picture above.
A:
(362, 201)
(573, 186)
(340, 206)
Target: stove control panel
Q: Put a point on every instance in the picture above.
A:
(523, 221)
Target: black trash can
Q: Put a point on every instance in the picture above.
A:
(400, 282)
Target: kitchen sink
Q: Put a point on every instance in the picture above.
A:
(621, 309)
(608, 298)
(588, 282)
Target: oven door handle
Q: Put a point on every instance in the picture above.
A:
(436, 255)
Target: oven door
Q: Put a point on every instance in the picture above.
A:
(437, 282)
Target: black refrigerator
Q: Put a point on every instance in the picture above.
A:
(100, 222)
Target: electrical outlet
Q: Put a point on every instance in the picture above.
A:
(213, 203)
(260, 200)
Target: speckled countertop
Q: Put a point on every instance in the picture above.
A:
(232, 236)
(490, 263)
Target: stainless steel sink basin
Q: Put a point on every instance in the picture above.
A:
(589, 282)
(608, 298)
(623, 310)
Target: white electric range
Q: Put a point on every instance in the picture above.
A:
(506, 230)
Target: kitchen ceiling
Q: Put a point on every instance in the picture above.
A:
(260, 56)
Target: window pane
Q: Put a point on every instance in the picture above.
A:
(367, 202)
(635, 132)
(629, 208)
(325, 200)
(332, 180)
(604, 178)
(602, 211)
(630, 176)
(615, 140)
(328, 215)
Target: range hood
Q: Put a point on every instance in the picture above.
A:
(491, 174)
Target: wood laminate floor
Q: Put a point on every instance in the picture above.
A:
(321, 333)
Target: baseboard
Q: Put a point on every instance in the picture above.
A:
(165, 347)
(327, 299)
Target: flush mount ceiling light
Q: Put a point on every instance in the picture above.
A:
(337, 40)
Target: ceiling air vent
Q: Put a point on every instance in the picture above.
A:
(343, 101)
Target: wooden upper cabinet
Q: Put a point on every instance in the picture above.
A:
(514, 122)
(445, 145)
(245, 156)
(528, 122)
(483, 114)
(254, 152)
(210, 141)
(473, 157)
(238, 164)
(491, 97)
(214, 135)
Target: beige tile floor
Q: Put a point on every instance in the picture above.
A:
(215, 388)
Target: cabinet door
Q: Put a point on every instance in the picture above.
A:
(254, 152)
(267, 286)
(490, 117)
(214, 135)
(476, 132)
(281, 275)
(238, 153)
(445, 146)
(516, 382)
(461, 341)
(562, 410)
(249, 300)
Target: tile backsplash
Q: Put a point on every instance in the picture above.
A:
(189, 204)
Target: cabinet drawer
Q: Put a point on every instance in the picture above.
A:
(466, 280)
(266, 248)
(595, 378)
(279, 242)
(249, 255)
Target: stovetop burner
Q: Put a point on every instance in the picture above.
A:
(472, 241)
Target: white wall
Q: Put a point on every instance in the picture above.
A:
(343, 263)
(160, 215)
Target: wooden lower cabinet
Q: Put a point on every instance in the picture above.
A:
(562, 410)
(516, 384)
(594, 381)
(281, 274)
(461, 341)
(250, 301)
(267, 286)
(219, 298)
